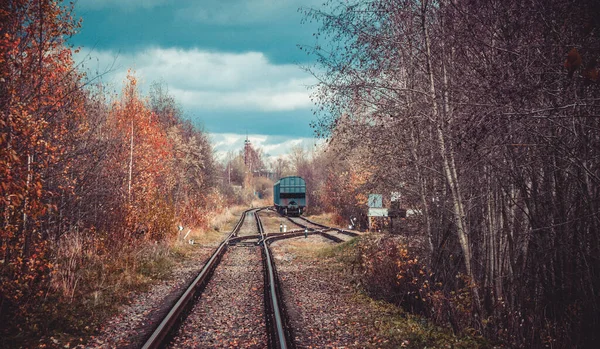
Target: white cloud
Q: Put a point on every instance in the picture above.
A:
(210, 80)
(272, 146)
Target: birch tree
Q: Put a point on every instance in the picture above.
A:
(492, 103)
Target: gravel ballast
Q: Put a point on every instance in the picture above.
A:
(135, 322)
(321, 303)
(230, 312)
(249, 227)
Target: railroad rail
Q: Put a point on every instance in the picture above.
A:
(164, 328)
(341, 231)
(278, 331)
(323, 229)
(322, 232)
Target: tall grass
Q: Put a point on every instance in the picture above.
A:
(91, 275)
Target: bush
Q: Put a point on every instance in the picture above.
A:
(389, 270)
(90, 277)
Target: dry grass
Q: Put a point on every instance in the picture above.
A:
(219, 225)
(84, 269)
(325, 219)
(205, 236)
(305, 248)
(271, 221)
(262, 202)
(415, 332)
(91, 278)
(74, 251)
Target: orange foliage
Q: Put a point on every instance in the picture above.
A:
(39, 99)
(73, 167)
(343, 190)
(142, 160)
(394, 272)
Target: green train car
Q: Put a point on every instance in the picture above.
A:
(289, 195)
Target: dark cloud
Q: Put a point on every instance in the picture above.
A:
(229, 63)
(272, 27)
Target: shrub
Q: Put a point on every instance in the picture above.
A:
(389, 270)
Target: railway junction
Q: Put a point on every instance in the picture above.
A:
(258, 288)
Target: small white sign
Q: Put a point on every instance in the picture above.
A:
(375, 200)
(395, 196)
(378, 212)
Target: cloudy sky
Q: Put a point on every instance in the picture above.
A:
(233, 65)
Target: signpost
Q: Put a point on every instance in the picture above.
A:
(375, 200)
(376, 209)
(395, 210)
(378, 212)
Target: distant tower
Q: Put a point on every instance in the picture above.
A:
(247, 153)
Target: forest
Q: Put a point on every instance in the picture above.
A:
(482, 114)
(89, 179)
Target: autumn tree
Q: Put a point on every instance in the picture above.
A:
(82, 172)
(280, 167)
(39, 102)
(191, 165)
(482, 115)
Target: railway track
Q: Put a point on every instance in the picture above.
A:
(277, 320)
(233, 276)
(239, 255)
(334, 234)
(341, 231)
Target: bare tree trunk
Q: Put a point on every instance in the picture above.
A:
(448, 162)
(25, 232)
(422, 192)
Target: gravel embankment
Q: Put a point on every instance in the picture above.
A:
(320, 300)
(136, 321)
(230, 313)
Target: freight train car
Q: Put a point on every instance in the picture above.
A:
(289, 195)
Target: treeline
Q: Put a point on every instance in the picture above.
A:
(246, 173)
(86, 177)
(484, 116)
(241, 176)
